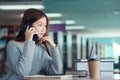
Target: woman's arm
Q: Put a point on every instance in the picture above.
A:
(53, 64)
(56, 62)
(20, 62)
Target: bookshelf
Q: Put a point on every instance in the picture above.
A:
(7, 32)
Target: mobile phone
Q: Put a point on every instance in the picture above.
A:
(35, 36)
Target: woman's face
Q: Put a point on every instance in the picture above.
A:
(40, 26)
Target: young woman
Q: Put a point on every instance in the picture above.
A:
(32, 52)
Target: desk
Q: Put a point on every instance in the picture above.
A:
(81, 78)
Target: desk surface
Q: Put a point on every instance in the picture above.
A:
(68, 77)
(73, 78)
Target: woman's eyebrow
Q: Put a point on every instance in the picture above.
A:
(39, 22)
(42, 23)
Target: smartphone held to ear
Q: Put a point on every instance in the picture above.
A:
(35, 36)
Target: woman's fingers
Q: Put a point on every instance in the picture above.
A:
(48, 40)
(44, 39)
(27, 28)
(32, 30)
(29, 33)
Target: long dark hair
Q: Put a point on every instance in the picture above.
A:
(2, 62)
(30, 16)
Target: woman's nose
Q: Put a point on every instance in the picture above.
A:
(43, 29)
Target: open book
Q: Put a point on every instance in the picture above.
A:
(50, 77)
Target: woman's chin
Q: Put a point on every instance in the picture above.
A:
(40, 37)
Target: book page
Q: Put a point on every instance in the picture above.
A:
(52, 77)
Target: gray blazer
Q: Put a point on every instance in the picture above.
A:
(30, 60)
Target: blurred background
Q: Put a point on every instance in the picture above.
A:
(75, 25)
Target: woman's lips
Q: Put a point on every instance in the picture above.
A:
(41, 34)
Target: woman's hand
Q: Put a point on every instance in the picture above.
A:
(48, 40)
(29, 33)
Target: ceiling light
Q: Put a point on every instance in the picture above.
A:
(51, 15)
(116, 12)
(56, 22)
(70, 22)
(54, 14)
(60, 22)
(20, 7)
(75, 27)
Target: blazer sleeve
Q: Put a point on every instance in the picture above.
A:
(19, 63)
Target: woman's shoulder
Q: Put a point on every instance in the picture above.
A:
(12, 42)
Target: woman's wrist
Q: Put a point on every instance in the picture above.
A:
(54, 45)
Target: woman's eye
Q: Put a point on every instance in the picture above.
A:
(40, 25)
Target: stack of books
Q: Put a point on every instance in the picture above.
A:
(81, 73)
